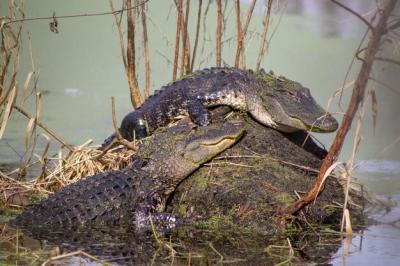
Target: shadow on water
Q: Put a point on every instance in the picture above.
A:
(378, 244)
(191, 245)
(184, 245)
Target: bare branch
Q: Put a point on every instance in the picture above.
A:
(120, 34)
(177, 38)
(238, 32)
(243, 32)
(394, 26)
(48, 130)
(385, 85)
(146, 52)
(196, 40)
(356, 98)
(136, 98)
(264, 45)
(129, 58)
(117, 132)
(185, 42)
(389, 60)
(219, 33)
(355, 14)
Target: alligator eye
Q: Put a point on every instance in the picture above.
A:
(291, 93)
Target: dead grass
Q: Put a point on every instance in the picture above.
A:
(59, 172)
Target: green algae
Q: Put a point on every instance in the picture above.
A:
(249, 185)
(6, 214)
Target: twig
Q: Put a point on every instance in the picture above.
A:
(394, 26)
(239, 50)
(238, 32)
(229, 163)
(185, 41)
(75, 253)
(355, 14)
(106, 149)
(356, 99)
(196, 40)
(389, 60)
(219, 33)
(76, 15)
(396, 141)
(146, 52)
(177, 39)
(392, 89)
(221, 257)
(129, 57)
(350, 67)
(48, 130)
(187, 44)
(136, 98)
(205, 35)
(120, 34)
(117, 132)
(264, 45)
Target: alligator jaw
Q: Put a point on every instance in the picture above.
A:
(292, 107)
(212, 140)
(323, 124)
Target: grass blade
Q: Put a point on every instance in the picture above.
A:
(7, 112)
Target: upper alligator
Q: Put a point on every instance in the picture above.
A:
(166, 158)
(274, 101)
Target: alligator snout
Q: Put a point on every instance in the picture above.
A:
(325, 123)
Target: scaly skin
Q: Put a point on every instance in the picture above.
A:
(274, 101)
(116, 197)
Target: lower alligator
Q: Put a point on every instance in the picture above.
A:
(236, 197)
(135, 192)
(274, 101)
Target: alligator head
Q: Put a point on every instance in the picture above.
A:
(177, 152)
(291, 106)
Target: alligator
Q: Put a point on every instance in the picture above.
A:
(274, 101)
(132, 194)
(236, 198)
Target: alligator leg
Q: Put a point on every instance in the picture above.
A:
(148, 212)
(198, 113)
(147, 215)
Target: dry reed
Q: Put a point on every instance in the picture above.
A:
(177, 38)
(60, 171)
(146, 51)
(219, 34)
(196, 40)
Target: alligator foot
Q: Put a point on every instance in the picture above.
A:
(160, 221)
